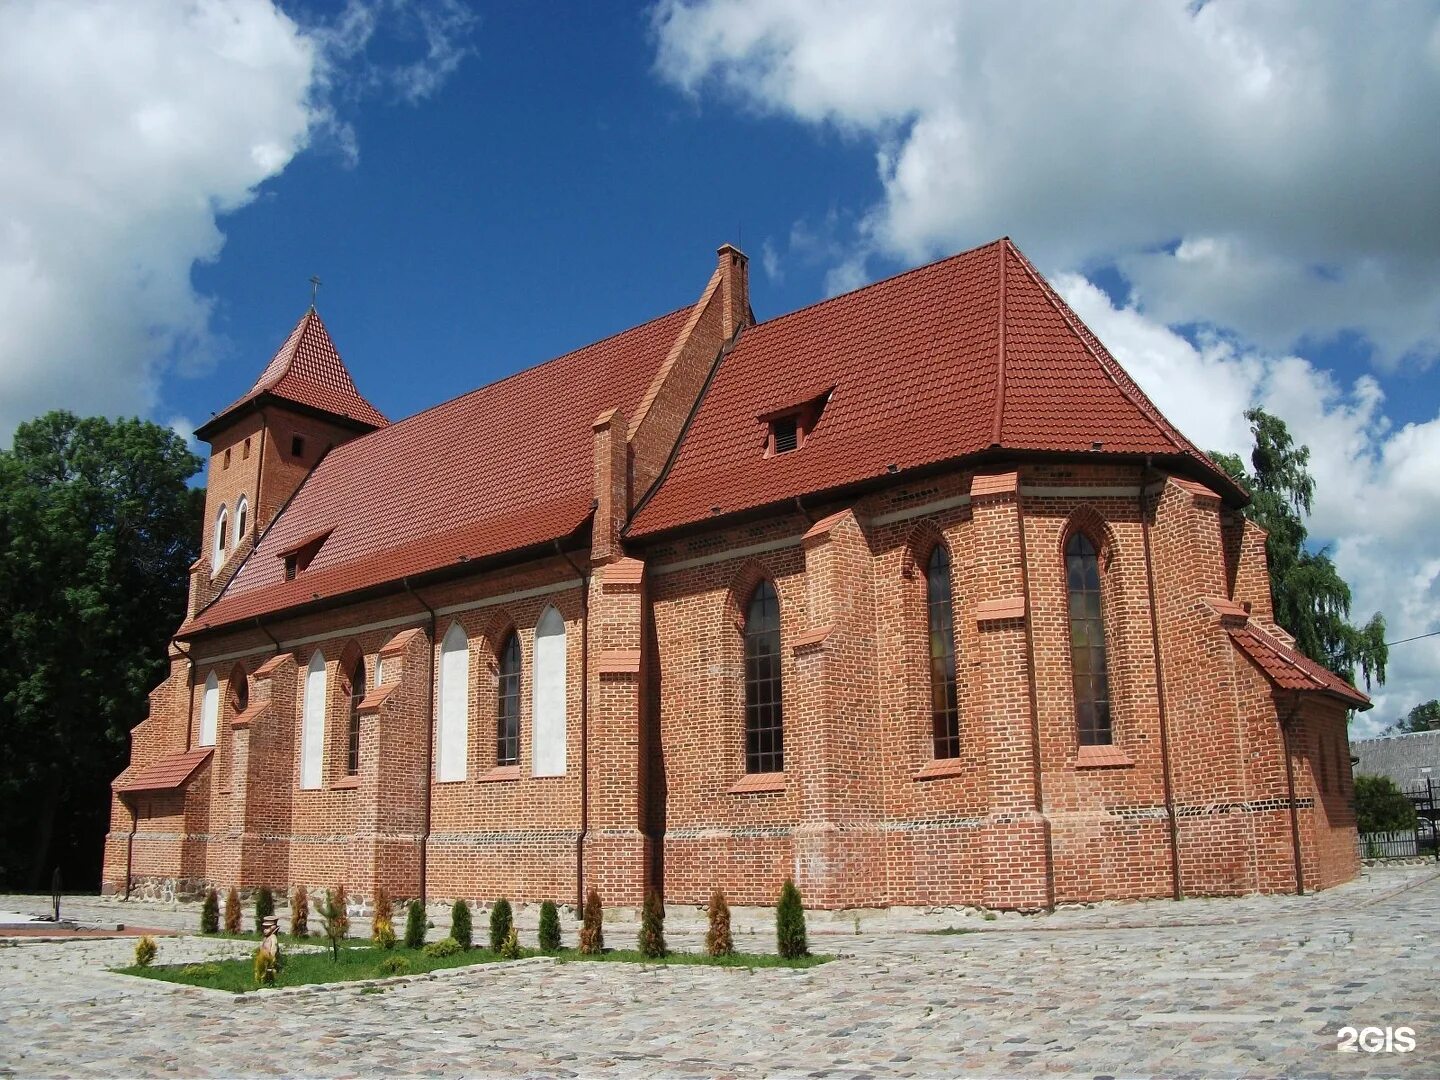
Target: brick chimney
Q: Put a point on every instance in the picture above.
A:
(735, 289)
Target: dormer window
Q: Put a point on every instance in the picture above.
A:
(298, 556)
(785, 434)
(789, 428)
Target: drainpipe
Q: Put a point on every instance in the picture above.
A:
(266, 631)
(1034, 694)
(584, 580)
(1285, 725)
(1160, 693)
(190, 713)
(134, 809)
(429, 740)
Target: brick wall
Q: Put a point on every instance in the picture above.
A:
(863, 813)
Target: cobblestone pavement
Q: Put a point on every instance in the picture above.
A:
(1258, 986)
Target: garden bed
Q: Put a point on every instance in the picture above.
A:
(360, 962)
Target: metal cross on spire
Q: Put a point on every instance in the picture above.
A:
(315, 284)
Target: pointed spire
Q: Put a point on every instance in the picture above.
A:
(307, 370)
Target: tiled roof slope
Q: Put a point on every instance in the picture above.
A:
(1407, 759)
(969, 354)
(307, 370)
(1291, 670)
(506, 467)
(166, 774)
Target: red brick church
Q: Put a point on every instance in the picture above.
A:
(911, 595)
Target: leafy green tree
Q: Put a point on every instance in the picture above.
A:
(97, 533)
(1380, 806)
(1312, 600)
(1424, 717)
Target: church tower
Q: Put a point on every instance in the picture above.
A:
(263, 445)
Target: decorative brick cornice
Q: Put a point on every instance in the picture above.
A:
(1009, 607)
(994, 485)
(618, 662)
(811, 639)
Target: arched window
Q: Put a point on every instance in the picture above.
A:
(764, 721)
(312, 724)
(1087, 641)
(217, 554)
(454, 730)
(547, 697)
(944, 704)
(242, 519)
(356, 678)
(507, 734)
(210, 711)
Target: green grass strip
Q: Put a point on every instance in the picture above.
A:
(360, 961)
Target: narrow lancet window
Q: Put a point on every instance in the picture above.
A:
(356, 675)
(507, 735)
(764, 719)
(944, 704)
(1087, 642)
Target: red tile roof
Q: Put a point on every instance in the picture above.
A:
(973, 353)
(504, 468)
(167, 774)
(1290, 670)
(307, 370)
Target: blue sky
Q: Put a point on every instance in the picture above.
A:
(553, 192)
(1239, 197)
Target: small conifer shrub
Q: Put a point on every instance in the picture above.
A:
(501, 920)
(145, 950)
(549, 927)
(415, 925)
(266, 968)
(383, 921)
(335, 918)
(447, 946)
(264, 905)
(652, 926)
(510, 947)
(300, 912)
(210, 913)
(460, 926)
(232, 911)
(592, 926)
(718, 941)
(394, 965)
(790, 923)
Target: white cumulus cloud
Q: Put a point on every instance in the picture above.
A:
(128, 129)
(1262, 169)
(1268, 165)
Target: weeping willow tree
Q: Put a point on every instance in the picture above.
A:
(1312, 600)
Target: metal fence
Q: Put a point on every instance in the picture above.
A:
(1409, 843)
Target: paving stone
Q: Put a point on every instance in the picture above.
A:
(1256, 986)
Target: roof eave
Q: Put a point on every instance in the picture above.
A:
(1230, 494)
(569, 542)
(266, 397)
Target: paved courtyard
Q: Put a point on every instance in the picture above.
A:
(1258, 987)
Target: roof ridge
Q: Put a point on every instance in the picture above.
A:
(1108, 364)
(523, 371)
(880, 281)
(999, 426)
